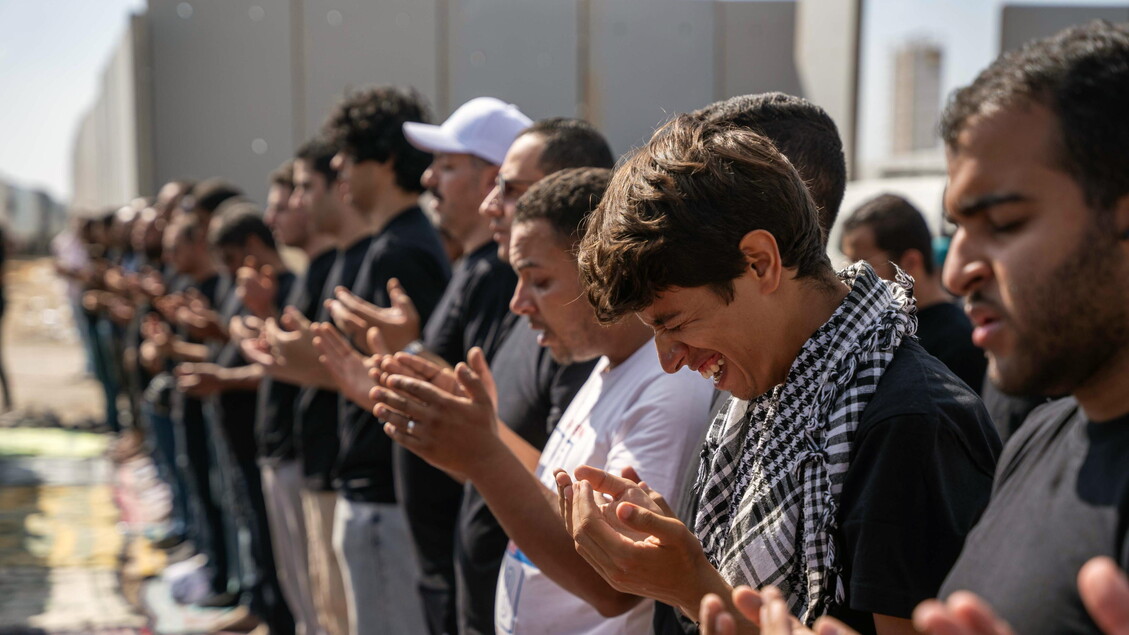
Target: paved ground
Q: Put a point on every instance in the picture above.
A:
(72, 523)
(59, 537)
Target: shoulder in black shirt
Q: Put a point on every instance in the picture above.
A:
(408, 249)
(946, 333)
(533, 393)
(920, 476)
(474, 311)
(315, 411)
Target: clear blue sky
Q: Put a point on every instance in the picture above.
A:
(52, 53)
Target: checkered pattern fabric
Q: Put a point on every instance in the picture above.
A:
(773, 468)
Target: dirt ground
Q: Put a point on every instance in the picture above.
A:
(42, 352)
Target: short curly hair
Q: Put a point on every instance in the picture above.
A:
(676, 211)
(565, 199)
(369, 126)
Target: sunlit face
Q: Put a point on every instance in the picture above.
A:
(357, 181)
(459, 183)
(140, 231)
(290, 225)
(859, 244)
(519, 171)
(732, 344)
(313, 197)
(182, 251)
(1044, 279)
(231, 257)
(549, 293)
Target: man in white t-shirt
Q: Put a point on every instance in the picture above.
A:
(628, 413)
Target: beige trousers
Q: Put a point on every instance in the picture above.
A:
(325, 573)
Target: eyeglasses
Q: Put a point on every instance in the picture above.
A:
(509, 188)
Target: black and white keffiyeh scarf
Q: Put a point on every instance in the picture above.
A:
(773, 468)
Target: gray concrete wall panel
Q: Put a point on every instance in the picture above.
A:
(221, 89)
(751, 37)
(1020, 24)
(351, 44)
(648, 60)
(827, 58)
(522, 52)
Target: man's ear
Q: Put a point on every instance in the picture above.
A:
(912, 262)
(762, 257)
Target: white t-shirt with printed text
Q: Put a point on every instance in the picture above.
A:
(631, 415)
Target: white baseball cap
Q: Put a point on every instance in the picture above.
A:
(484, 127)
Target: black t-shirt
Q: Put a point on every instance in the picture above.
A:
(408, 249)
(533, 393)
(1061, 497)
(274, 415)
(920, 476)
(474, 311)
(315, 410)
(946, 333)
(236, 408)
(186, 409)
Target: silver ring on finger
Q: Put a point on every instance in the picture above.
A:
(411, 426)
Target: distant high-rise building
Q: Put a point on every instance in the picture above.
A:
(917, 97)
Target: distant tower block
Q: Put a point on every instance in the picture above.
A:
(917, 97)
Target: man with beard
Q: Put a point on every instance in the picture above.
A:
(535, 388)
(1039, 189)
(467, 149)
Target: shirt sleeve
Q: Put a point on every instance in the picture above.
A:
(911, 495)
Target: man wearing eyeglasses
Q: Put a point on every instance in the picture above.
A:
(468, 149)
(533, 389)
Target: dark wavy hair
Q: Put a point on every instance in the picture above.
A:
(318, 153)
(675, 213)
(369, 126)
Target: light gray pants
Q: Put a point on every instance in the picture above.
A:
(282, 491)
(379, 567)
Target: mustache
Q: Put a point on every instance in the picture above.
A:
(977, 298)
